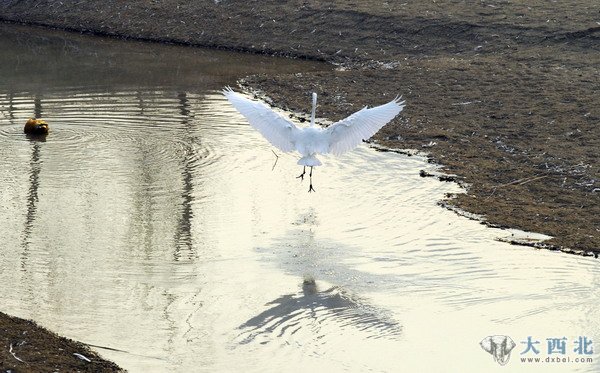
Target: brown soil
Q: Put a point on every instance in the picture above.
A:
(506, 92)
(27, 347)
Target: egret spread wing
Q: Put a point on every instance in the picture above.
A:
(276, 129)
(348, 133)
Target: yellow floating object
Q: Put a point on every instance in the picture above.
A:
(36, 127)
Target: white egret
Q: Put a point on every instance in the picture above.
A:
(338, 138)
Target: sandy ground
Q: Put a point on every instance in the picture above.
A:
(503, 94)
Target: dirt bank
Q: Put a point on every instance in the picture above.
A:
(27, 347)
(503, 94)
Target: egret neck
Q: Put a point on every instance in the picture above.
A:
(314, 109)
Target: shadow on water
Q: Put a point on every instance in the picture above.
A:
(183, 234)
(34, 182)
(324, 311)
(318, 310)
(32, 196)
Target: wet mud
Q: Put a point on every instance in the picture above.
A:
(27, 347)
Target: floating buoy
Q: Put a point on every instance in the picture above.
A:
(36, 127)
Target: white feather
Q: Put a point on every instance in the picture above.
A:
(276, 129)
(348, 133)
(338, 138)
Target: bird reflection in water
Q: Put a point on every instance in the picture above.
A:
(316, 310)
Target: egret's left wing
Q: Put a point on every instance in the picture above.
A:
(276, 129)
(348, 133)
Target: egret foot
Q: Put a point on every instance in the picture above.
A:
(301, 177)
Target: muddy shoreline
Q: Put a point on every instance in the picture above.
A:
(28, 347)
(502, 95)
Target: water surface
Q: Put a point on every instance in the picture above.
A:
(151, 221)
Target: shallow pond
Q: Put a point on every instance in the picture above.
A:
(152, 224)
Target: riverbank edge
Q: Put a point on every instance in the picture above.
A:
(448, 202)
(171, 41)
(26, 346)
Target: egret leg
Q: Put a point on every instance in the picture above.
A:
(301, 177)
(310, 188)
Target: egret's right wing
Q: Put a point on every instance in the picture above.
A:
(276, 129)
